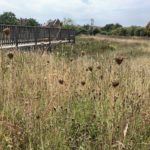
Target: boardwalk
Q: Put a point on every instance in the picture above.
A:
(25, 36)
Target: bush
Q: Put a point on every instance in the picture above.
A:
(96, 31)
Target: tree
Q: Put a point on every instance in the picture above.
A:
(148, 25)
(8, 18)
(68, 23)
(96, 31)
(131, 30)
(119, 31)
(110, 27)
(32, 22)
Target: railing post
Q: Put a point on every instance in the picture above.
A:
(49, 38)
(69, 35)
(74, 37)
(16, 36)
(49, 35)
(60, 34)
(35, 36)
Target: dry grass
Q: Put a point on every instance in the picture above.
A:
(58, 101)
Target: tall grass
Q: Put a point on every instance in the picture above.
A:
(67, 99)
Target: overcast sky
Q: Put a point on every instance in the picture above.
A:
(125, 12)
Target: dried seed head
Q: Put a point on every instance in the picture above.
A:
(54, 108)
(71, 59)
(93, 90)
(115, 83)
(6, 31)
(82, 53)
(37, 117)
(61, 81)
(98, 67)
(90, 68)
(83, 83)
(94, 116)
(119, 60)
(10, 55)
(115, 98)
(86, 69)
(101, 77)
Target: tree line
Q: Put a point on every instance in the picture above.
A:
(9, 18)
(115, 29)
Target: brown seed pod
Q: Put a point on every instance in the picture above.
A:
(119, 60)
(10, 55)
(115, 83)
(6, 31)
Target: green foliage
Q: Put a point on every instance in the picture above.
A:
(68, 23)
(110, 27)
(8, 18)
(81, 30)
(32, 22)
(96, 31)
(119, 31)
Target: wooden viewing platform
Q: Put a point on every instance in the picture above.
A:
(26, 36)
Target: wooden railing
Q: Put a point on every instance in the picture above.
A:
(26, 34)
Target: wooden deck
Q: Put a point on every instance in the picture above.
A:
(33, 44)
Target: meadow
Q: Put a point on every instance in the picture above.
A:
(94, 95)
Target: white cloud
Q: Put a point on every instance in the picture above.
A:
(126, 12)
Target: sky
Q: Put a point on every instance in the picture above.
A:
(125, 12)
